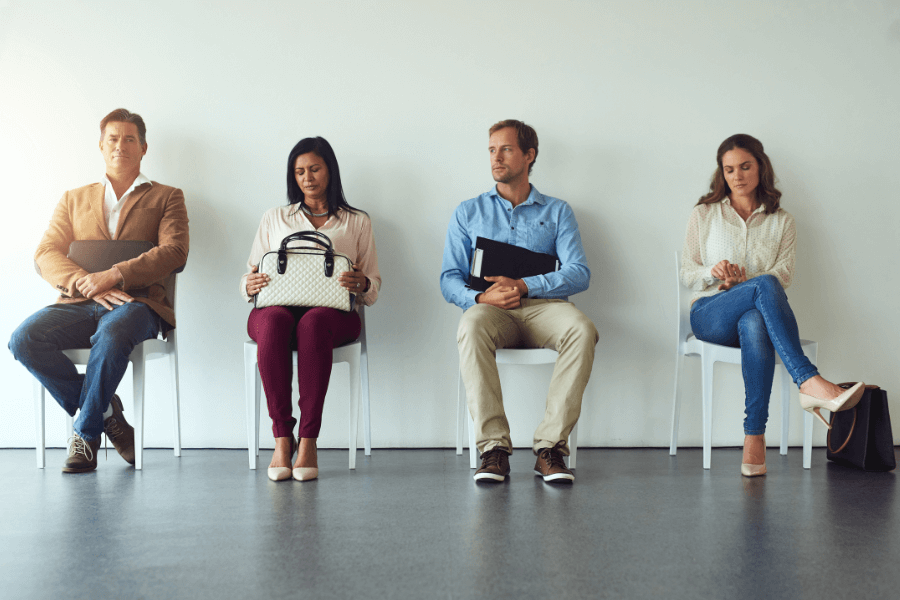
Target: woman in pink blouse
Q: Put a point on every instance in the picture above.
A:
(315, 203)
(738, 257)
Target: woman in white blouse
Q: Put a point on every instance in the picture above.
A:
(738, 257)
(315, 203)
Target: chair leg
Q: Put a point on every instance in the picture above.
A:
(251, 401)
(258, 396)
(573, 446)
(461, 414)
(367, 416)
(707, 372)
(40, 441)
(808, 419)
(176, 417)
(138, 366)
(807, 439)
(676, 407)
(785, 409)
(354, 409)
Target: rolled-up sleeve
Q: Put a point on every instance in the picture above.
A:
(455, 265)
(573, 275)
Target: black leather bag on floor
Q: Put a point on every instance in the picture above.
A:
(861, 437)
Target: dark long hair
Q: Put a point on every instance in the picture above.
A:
(766, 192)
(334, 193)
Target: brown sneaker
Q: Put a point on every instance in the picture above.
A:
(550, 465)
(119, 432)
(494, 465)
(82, 455)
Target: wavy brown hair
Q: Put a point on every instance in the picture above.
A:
(766, 192)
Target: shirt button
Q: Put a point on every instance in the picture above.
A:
(512, 227)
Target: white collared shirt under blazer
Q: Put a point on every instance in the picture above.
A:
(351, 235)
(112, 206)
(764, 244)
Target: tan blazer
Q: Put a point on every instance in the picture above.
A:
(153, 213)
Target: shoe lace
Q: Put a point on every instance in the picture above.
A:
(113, 430)
(79, 446)
(491, 458)
(553, 456)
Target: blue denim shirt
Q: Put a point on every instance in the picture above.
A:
(541, 223)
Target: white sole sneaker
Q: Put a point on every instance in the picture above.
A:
(555, 476)
(489, 477)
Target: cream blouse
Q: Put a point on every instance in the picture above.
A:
(351, 235)
(764, 244)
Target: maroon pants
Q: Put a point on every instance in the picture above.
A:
(313, 332)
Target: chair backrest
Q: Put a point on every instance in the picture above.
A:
(684, 305)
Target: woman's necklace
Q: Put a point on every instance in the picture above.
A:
(311, 213)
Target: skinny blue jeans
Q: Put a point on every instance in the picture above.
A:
(110, 334)
(754, 316)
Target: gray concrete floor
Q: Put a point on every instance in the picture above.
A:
(637, 523)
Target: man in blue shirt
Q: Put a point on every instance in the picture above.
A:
(532, 312)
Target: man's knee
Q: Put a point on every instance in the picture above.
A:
(135, 323)
(20, 341)
(581, 329)
(473, 323)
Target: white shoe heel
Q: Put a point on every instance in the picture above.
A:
(845, 401)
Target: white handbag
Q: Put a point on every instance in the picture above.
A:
(304, 276)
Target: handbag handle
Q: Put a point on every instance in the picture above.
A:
(846, 385)
(307, 236)
(849, 435)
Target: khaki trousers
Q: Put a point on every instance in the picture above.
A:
(536, 323)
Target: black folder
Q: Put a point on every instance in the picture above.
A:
(492, 259)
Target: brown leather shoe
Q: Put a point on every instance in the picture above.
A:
(119, 432)
(82, 455)
(494, 465)
(551, 466)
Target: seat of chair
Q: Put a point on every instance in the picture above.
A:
(526, 356)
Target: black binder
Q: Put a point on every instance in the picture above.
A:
(492, 259)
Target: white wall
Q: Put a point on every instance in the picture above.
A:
(630, 100)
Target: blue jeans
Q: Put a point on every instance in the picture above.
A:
(756, 317)
(110, 334)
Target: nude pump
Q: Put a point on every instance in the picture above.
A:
(758, 467)
(845, 401)
(282, 473)
(305, 473)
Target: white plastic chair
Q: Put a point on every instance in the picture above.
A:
(355, 354)
(710, 354)
(146, 350)
(505, 356)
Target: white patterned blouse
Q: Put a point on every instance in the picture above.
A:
(764, 244)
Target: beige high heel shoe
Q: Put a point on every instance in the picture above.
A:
(754, 469)
(305, 473)
(845, 401)
(282, 473)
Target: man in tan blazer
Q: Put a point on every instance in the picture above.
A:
(110, 311)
